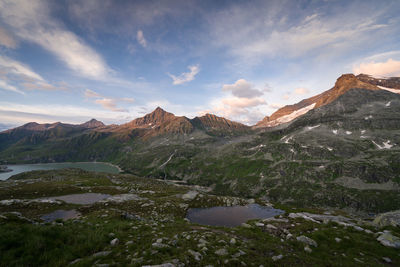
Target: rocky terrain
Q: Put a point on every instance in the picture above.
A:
(142, 223)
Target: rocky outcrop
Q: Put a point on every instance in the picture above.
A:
(388, 218)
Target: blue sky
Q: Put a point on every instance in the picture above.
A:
(74, 60)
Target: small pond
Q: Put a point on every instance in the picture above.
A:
(82, 199)
(87, 166)
(231, 216)
(60, 214)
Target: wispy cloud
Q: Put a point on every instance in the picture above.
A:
(301, 91)
(92, 94)
(18, 77)
(15, 67)
(288, 29)
(186, 76)
(140, 38)
(108, 102)
(387, 68)
(31, 21)
(5, 85)
(6, 39)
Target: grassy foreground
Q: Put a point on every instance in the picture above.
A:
(151, 228)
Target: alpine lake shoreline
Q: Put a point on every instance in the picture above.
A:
(144, 223)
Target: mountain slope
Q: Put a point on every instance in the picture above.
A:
(343, 84)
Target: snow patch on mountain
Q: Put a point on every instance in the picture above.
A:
(396, 91)
(292, 116)
(386, 145)
(313, 127)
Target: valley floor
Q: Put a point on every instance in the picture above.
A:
(143, 223)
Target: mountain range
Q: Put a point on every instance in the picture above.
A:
(339, 148)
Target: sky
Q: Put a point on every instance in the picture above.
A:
(73, 60)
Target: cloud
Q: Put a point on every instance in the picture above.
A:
(12, 66)
(107, 102)
(140, 38)
(92, 94)
(186, 76)
(9, 87)
(241, 104)
(289, 29)
(242, 88)
(44, 86)
(301, 91)
(275, 105)
(7, 40)
(16, 75)
(110, 104)
(31, 21)
(389, 68)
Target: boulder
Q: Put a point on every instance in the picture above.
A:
(307, 241)
(389, 240)
(388, 218)
(190, 195)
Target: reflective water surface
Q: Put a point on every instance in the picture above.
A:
(61, 214)
(231, 216)
(82, 199)
(87, 166)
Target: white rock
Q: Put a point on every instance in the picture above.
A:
(190, 195)
(275, 258)
(114, 242)
(221, 252)
(307, 240)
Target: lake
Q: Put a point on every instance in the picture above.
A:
(231, 216)
(87, 166)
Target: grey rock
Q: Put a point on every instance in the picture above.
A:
(275, 258)
(307, 249)
(101, 254)
(159, 245)
(307, 240)
(190, 195)
(221, 252)
(114, 242)
(389, 240)
(197, 256)
(388, 218)
(386, 259)
(245, 225)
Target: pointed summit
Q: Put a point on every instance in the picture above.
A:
(157, 117)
